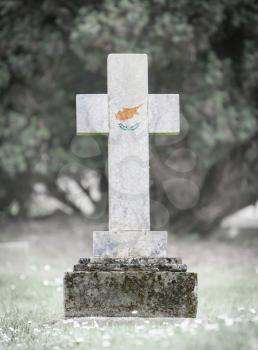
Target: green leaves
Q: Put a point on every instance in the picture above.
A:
(205, 51)
(4, 76)
(21, 140)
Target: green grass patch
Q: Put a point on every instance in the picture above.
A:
(31, 317)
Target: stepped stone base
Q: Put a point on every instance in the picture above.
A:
(143, 287)
(129, 243)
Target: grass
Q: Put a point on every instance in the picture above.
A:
(32, 316)
(31, 299)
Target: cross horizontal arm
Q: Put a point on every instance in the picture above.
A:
(92, 114)
(163, 111)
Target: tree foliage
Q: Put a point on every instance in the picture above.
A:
(205, 51)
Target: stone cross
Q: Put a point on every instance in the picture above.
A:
(128, 114)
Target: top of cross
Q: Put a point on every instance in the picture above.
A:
(92, 110)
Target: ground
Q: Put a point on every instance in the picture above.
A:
(35, 254)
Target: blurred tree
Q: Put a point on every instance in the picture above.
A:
(206, 51)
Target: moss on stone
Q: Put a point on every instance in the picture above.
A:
(117, 293)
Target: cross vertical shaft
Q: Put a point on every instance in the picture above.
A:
(128, 143)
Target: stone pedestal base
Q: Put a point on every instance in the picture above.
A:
(143, 287)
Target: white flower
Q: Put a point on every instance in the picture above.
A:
(134, 312)
(222, 317)
(106, 336)
(95, 324)
(198, 321)
(139, 327)
(47, 267)
(229, 321)
(69, 320)
(106, 343)
(211, 327)
(184, 325)
(58, 281)
(79, 340)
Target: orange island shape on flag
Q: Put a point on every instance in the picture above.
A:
(127, 113)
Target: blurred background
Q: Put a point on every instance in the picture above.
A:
(205, 51)
(54, 186)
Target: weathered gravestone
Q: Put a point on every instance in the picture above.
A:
(129, 273)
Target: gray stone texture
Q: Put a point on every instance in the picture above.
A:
(132, 264)
(128, 162)
(128, 151)
(129, 243)
(163, 114)
(92, 114)
(129, 271)
(130, 287)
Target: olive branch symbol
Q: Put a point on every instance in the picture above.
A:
(128, 128)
